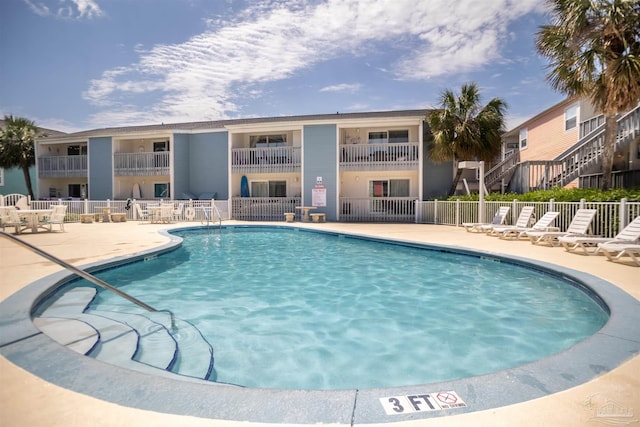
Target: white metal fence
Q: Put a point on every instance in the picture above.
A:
(610, 218)
(186, 210)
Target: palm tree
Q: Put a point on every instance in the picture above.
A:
(17, 146)
(594, 51)
(463, 129)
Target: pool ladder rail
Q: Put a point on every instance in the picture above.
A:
(126, 339)
(211, 210)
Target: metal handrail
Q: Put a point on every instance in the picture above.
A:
(90, 277)
(215, 208)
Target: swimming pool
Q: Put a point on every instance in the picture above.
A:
(25, 346)
(295, 309)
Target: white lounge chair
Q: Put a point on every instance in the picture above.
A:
(614, 251)
(589, 244)
(57, 217)
(579, 226)
(522, 222)
(543, 224)
(143, 215)
(498, 218)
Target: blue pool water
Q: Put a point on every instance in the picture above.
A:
(303, 310)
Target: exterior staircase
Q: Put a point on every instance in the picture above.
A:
(151, 343)
(583, 158)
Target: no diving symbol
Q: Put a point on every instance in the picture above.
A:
(447, 398)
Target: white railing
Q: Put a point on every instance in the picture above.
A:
(391, 156)
(271, 160)
(62, 166)
(263, 208)
(377, 209)
(77, 207)
(141, 164)
(610, 218)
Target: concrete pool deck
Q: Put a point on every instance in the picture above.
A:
(29, 400)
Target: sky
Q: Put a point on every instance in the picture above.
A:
(73, 65)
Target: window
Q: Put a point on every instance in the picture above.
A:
(75, 190)
(384, 137)
(160, 146)
(268, 188)
(522, 140)
(389, 188)
(398, 136)
(386, 188)
(571, 117)
(76, 150)
(161, 190)
(279, 140)
(378, 137)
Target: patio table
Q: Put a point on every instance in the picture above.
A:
(33, 217)
(305, 212)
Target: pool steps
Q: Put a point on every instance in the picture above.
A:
(127, 339)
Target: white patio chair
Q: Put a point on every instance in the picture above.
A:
(166, 212)
(177, 213)
(22, 203)
(57, 217)
(9, 217)
(142, 214)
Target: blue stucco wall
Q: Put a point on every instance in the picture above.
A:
(319, 151)
(209, 164)
(437, 179)
(180, 165)
(14, 182)
(100, 168)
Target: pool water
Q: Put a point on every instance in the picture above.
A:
(293, 309)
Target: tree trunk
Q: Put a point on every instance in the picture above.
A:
(608, 150)
(456, 179)
(27, 180)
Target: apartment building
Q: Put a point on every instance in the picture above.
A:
(352, 167)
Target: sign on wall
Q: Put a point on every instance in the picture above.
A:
(319, 194)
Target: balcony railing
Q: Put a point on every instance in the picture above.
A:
(141, 164)
(62, 166)
(377, 209)
(265, 160)
(393, 156)
(263, 208)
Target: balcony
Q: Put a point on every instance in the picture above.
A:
(265, 160)
(62, 166)
(141, 164)
(393, 156)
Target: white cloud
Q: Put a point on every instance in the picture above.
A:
(274, 40)
(66, 9)
(343, 87)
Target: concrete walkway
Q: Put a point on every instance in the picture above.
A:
(27, 400)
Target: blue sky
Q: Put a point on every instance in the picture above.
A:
(82, 64)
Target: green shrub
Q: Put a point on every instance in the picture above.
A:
(561, 195)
